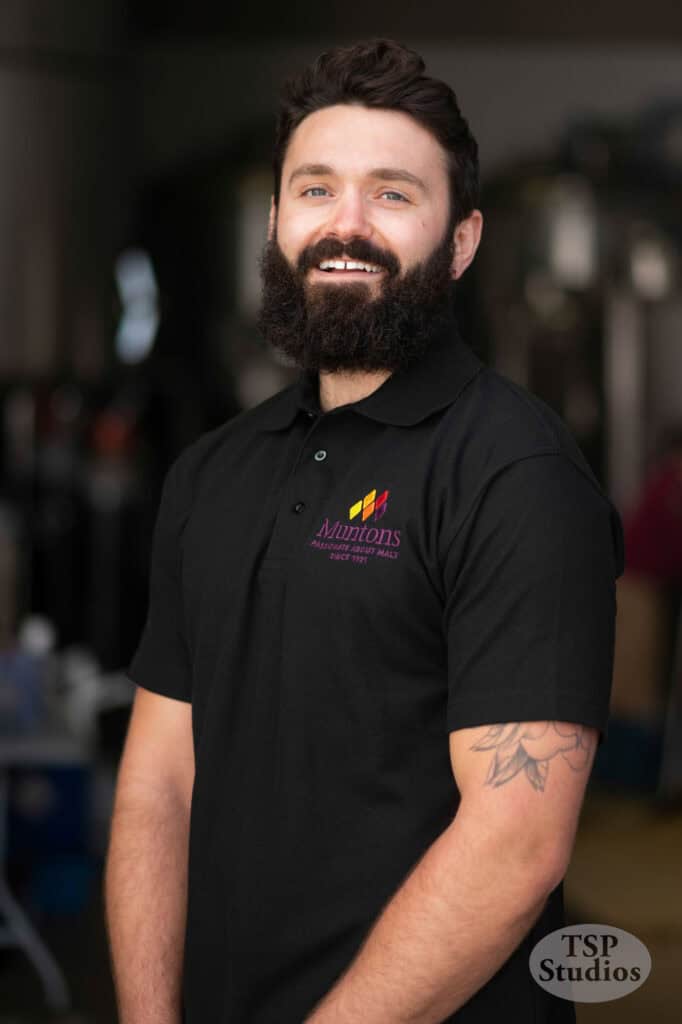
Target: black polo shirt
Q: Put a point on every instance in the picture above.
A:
(334, 593)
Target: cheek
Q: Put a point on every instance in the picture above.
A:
(296, 230)
(411, 242)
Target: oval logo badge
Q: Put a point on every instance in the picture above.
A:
(590, 963)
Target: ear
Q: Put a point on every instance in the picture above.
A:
(467, 237)
(272, 218)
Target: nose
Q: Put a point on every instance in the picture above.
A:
(349, 217)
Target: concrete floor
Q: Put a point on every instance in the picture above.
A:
(626, 871)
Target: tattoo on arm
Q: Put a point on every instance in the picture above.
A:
(530, 746)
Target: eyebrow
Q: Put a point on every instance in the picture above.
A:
(378, 173)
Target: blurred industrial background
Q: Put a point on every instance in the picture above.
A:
(134, 189)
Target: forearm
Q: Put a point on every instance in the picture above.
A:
(146, 906)
(455, 920)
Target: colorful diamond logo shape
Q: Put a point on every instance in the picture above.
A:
(370, 504)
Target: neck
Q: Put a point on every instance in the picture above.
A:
(347, 386)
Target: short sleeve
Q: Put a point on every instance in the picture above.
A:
(161, 662)
(531, 599)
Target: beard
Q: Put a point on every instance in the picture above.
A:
(352, 325)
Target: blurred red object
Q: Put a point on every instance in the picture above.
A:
(653, 528)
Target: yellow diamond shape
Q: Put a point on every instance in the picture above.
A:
(354, 509)
(369, 497)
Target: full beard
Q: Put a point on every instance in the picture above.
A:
(350, 325)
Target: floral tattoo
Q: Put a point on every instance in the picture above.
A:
(530, 746)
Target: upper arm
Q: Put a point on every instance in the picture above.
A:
(158, 756)
(524, 782)
(529, 625)
(530, 606)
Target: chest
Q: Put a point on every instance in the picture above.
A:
(347, 522)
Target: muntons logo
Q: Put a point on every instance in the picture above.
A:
(356, 544)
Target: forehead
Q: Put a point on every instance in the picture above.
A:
(353, 139)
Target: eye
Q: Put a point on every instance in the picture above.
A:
(388, 192)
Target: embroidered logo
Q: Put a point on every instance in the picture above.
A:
(359, 543)
(370, 504)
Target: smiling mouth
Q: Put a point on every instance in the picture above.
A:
(354, 275)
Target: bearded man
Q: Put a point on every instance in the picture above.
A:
(378, 655)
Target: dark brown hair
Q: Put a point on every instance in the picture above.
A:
(383, 74)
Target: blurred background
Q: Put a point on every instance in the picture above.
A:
(135, 146)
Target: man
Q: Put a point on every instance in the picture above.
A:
(399, 548)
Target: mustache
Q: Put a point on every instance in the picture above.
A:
(357, 249)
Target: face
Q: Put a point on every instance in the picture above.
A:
(368, 186)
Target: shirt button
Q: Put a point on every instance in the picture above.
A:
(310, 415)
(299, 506)
(319, 456)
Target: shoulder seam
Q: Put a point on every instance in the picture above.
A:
(538, 453)
(484, 486)
(518, 391)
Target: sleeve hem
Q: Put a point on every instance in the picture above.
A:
(163, 689)
(557, 709)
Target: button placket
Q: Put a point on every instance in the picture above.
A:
(306, 488)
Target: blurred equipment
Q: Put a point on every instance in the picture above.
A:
(580, 286)
(9, 557)
(670, 779)
(30, 743)
(139, 298)
(653, 535)
(18, 930)
(113, 496)
(580, 291)
(55, 794)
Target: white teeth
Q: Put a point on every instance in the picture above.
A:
(349, 265)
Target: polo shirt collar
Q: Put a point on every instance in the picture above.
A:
(405, 398)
